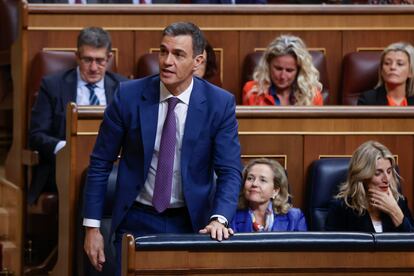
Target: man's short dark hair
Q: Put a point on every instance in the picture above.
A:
(187, 28)
(95, 37)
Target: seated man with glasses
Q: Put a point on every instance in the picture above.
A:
(87, 84)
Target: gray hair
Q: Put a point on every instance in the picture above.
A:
(95, 37)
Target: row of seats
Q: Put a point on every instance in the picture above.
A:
(324, 177)
(360, 70)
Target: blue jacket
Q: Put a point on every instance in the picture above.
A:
(294, 220)
(210, 145)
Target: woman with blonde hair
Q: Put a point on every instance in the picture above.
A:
(369, 200)
(264, 200)
(395, 85)
(285, 75)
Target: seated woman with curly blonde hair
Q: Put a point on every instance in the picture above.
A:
(264, 201)
(285, 75)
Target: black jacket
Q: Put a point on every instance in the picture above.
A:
(342, 218)
(378, 96)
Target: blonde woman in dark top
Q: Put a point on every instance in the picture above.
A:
(369, 200)
(395, 85)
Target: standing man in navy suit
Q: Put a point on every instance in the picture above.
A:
(206, 174)
(48, 118)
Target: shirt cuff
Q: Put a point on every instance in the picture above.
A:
(221, 217)
(59, 146)
(91, 223)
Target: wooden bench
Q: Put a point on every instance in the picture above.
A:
(277, 253)
(294, 135)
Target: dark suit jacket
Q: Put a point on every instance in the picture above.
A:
(294, 220)
(48, 123)
(378, 96)
(342, 218)
(210, 145)
(228, 1)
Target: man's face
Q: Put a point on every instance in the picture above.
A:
(177, 63)
(92, 63)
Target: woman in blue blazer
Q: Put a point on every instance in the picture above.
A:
(264, 200)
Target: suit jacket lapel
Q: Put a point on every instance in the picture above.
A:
(110, 86)
(382, 96)
(196, 113)
(148, 115)
(69, 88)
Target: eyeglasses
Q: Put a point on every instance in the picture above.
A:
(90, 60)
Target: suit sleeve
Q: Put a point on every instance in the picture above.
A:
(301, 223)
(45, 121)
(105, 153)
(407, 224)
(227, 163)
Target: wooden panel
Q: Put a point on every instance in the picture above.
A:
(286, 145)
(373, 39)
(230, 65)
(206, 261)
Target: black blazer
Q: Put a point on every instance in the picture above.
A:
(48, 123)
(378, 96)
(342, 218)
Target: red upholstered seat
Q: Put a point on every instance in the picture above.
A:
(359, 74)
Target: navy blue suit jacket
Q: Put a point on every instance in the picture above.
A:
(294, 220)
(210, 145)
(48, 122)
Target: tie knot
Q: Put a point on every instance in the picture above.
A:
(91, 86)
(172, 102)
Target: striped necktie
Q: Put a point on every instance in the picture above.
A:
(93, 99)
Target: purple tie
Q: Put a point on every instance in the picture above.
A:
(163, 178)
